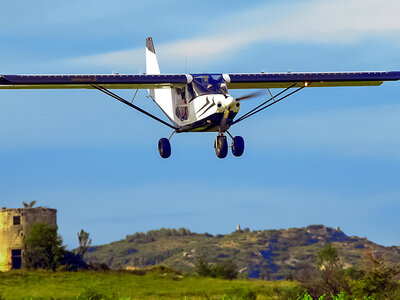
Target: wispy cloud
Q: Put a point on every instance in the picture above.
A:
(322, 21)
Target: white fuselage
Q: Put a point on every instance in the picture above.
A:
(204, 107)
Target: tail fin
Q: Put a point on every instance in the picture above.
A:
(151, 58)
(163, 97)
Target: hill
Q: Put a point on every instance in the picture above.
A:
(267, 254)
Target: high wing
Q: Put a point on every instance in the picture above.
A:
(234, 81)
(115, 81)
(284, 80)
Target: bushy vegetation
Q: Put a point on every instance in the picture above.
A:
(43, 247)
(374, 280)
(152, 235)
(44, 250)
(225, 270)
(91, 294)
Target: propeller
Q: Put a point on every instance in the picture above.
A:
(249, 96)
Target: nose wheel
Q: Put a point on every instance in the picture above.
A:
(221, 146)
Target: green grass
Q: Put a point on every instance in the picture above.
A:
(127, 285)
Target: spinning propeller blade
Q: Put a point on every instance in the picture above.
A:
(249, 96)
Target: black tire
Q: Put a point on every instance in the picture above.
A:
(237, 146)
(221, 146)
(164, 148)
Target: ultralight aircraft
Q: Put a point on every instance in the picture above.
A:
(198, 102)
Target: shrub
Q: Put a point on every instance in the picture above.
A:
(378, 280)
(44, 249)
(224, 270)
(90, 294)
(249, 295)
(285, 293)
(354, 273)
(72, 262)
(240, 293)
(95, 266)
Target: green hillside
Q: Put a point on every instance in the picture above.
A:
(267, 254)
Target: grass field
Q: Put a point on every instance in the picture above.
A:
(127, 285)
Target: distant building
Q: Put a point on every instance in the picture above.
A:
(14, 226)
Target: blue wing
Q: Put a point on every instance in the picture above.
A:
(284, 80)
(235, 81)
(88, 81)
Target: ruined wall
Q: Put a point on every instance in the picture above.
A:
(12, 234)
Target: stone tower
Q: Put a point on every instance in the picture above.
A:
(14, 226)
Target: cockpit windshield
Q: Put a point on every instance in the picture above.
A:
(206, 84)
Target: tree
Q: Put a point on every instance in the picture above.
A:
(30, 205)
(379, 279)
(331, 268)
(84, 242)
(327, 256)
(43, 247)
(329, 276)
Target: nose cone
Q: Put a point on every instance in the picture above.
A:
(225, 101)
(232, 104)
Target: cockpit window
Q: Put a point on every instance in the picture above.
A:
(207, 84)
(200, 88)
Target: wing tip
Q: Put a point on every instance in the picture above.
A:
(4, 81)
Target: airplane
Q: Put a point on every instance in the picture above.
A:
(198, 102)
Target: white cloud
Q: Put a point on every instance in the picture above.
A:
(316, 21)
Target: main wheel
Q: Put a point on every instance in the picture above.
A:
(237, 146)
(164, 148)
(221, 146)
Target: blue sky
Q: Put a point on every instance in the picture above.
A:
(325, 156)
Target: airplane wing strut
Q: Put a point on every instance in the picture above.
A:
(268, 102)
(120, 99)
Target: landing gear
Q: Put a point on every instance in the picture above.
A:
(221, 146)
(164, 148)
(237, 146)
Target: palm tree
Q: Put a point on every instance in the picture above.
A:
(84, 242)
(30, 205)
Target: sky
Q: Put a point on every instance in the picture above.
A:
(324, 156)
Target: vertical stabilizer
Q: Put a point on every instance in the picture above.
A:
(151, 58)
(163, 97)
